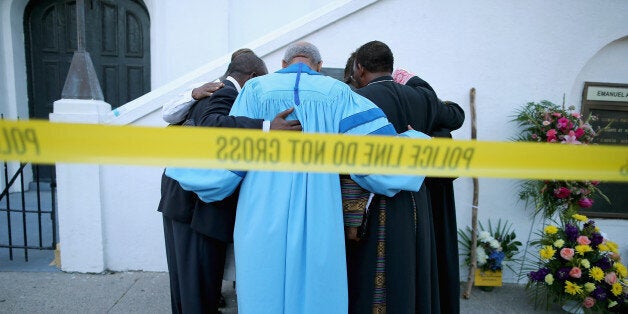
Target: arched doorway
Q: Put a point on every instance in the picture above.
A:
(117, 35)
(607, 69)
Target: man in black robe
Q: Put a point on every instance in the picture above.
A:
(197, 233)
(402, 245)
(441, 192)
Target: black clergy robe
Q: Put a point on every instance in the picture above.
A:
(411, 270)
(197, 233)
(441, 192)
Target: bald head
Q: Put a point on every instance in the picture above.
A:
(305, 52)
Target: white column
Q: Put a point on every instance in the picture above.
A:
(78, 192)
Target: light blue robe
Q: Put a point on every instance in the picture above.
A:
(289, 232)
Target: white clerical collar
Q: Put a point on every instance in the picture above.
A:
(237, 85)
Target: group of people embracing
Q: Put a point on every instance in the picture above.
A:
(313, 242)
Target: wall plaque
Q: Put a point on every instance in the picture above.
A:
(609, 103)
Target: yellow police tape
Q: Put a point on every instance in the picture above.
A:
(238, 149)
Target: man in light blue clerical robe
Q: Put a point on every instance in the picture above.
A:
(289, 233)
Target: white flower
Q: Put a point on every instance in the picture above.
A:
(495, 244)
(484, 236)
(585, 263)
(559, 243)
(481, 256)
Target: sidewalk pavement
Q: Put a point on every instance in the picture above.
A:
(148, 292)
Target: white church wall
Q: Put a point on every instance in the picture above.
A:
(606, 66)
(132, 227)
(185, 35)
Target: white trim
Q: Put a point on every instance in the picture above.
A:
(235, 83)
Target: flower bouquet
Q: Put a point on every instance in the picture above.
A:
(577, 264)
(547, 122)
(495, 246)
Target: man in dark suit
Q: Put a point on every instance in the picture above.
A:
(197, 233)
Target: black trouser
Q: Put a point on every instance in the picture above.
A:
(195, 264)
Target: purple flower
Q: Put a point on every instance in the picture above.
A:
(539, 275)
(604, 263)
(563, 273)
(571, 231)
(596, 239)
(599, 293)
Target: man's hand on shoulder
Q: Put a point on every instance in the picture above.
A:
(206, 90)
(280, 122)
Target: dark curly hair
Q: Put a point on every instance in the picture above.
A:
(375, 56)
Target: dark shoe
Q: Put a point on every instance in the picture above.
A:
(222, 302)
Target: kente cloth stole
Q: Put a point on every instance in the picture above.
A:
(354, 200)
(379, 293)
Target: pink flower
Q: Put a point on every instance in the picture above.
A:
(562, 192)
(610, 278)
(546, 123)
(571, 138)
(595, 183)
(557, 114)
(401, 76)
(564, 124)
(583, 240)
(567, 253)
(575, 272)
(576, 115)
(585, 202)
(551, 135)
(588, 302)
(534, 136)
(579, 132)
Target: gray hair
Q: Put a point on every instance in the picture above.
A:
(302, 49)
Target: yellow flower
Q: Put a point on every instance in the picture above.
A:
(616, 289)
(579, 217)
(572, 288)
(549, 278)
(596, 273)
(583, 248)
(559, 243)
(551, 229)
(585, 263)
(603, 248)
(597, 229)
(612, 246)
(547, 252)
(589, 286)
(621, 269)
